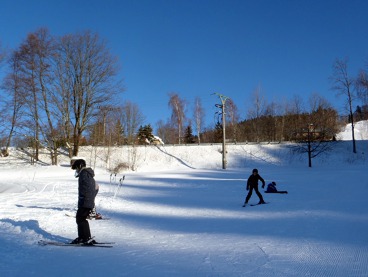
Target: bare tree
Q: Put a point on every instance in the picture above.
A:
(44, 49)
(323, 116)
(294, 116)
(131, 118)
(27, 65)
(87, 80)
(63, 86)
(362, 92)
(13, 101)
(344, 85)
(232, 116)
(101, 131)
(257, 109)
(178, 113)
(116, 125)
(34, 70)
(36, 55)
(198, 117)
(166, 131)
(362, 83)
(312, 141)
(318, 128)
(269, 126)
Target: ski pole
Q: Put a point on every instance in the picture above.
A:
(119, 186)
(112, 180)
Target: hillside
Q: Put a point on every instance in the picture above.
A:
(180, 214)
(360, 131)
(208, 156)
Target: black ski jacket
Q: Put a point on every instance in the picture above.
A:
(86, 188)
(253, 181)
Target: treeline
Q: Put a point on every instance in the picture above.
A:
(267, 122)
(62, 91)
(54, 90)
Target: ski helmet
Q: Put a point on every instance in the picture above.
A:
(255, 170)
(75, 158)
(78, 164)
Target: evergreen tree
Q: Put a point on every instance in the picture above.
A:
(145, 135)
(218, 132)
(188, 137)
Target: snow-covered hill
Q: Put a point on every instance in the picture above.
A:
(360, 131)
(180, 214)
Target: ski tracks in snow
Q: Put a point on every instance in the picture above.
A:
(311, 258)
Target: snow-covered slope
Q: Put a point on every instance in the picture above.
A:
(360, 131)
(180, 214)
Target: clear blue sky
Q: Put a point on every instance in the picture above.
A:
(198, 47)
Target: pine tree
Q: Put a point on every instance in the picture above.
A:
(218, 132)
(188, 137)
(145, 135)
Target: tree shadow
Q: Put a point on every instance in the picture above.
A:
(176, 158)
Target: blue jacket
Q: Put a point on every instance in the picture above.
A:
(271, 188)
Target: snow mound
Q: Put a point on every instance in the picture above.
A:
(360, 131)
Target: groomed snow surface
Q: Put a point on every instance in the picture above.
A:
(180, 214)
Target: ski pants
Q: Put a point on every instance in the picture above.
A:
(84, 232)
(251, 191)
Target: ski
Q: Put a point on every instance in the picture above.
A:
(105, 242)
(70, 215)
(57, 243)
(89, 218)
(254, 204)
(258, 204)
(282, 192)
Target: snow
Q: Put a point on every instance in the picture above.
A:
(180, 214)
(360, 131)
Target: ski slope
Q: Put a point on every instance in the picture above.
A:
(178, 216)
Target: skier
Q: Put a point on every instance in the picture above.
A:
(86, 200)
(271, 188)
(93, 214)
(252, 183)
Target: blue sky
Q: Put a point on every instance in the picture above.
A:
(196, 48)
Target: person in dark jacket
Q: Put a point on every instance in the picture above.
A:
(271, 188)
(86, 199)
(252, 183)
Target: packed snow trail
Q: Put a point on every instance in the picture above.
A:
(189, 222)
